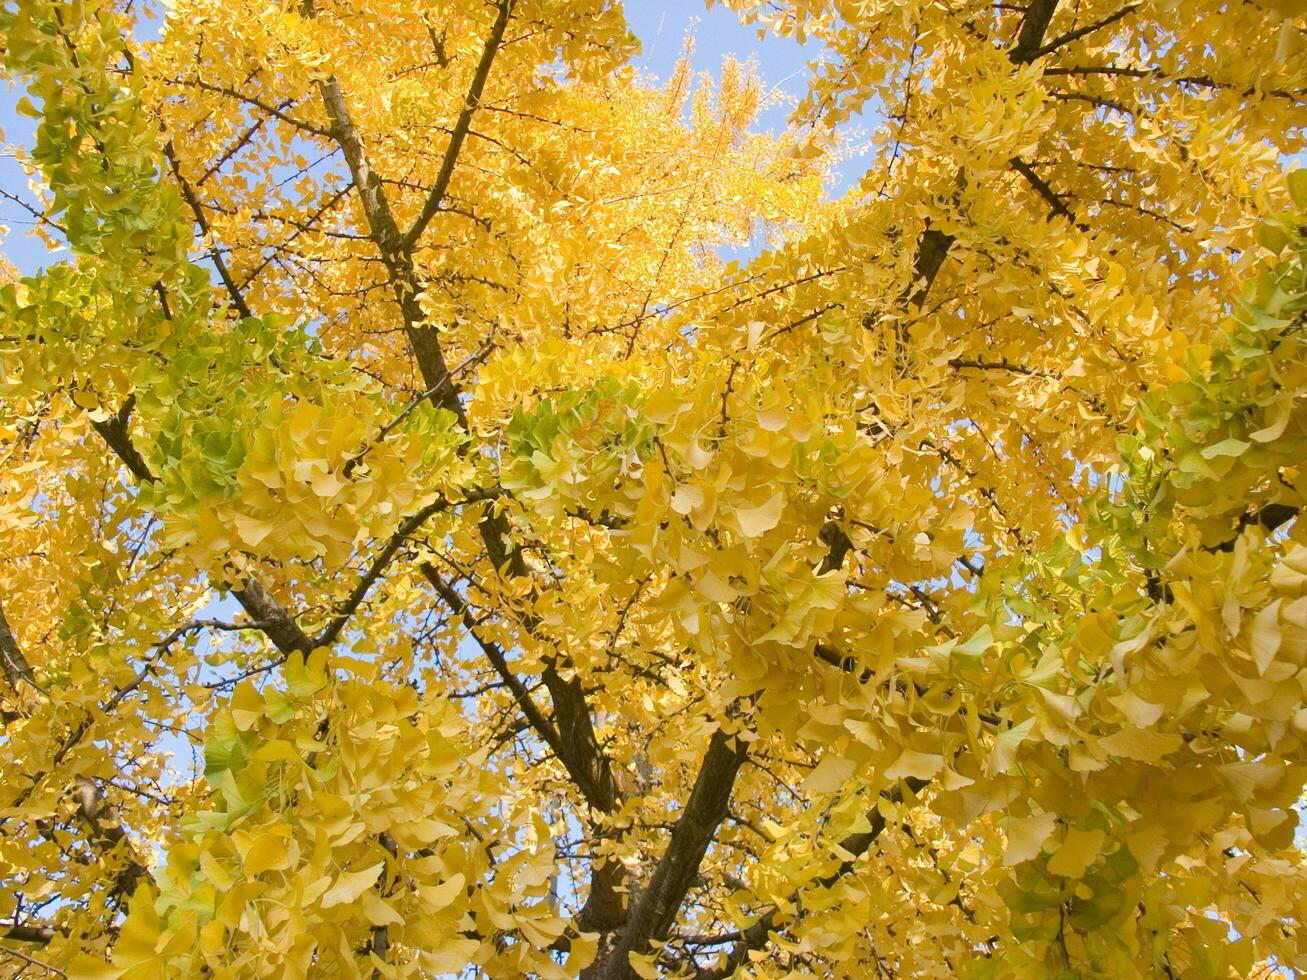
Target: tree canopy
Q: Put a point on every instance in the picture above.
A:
(423, 553)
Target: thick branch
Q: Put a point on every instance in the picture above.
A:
(386, 235)
(931, 251)
(272, 617)
(571, 737)
(22, 933)
(15, 665)
(578, 746)
(117, 436)
(380, 945)
(1031, 36)
(653, 916)
(1047, 193)
(499, 661)
(1080, 32)
(839, 545)
(1270, 517)
(108, 837)
(277, 624)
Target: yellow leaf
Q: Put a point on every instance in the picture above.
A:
(1004, 754)
(86, 399)
(350, 885)
(441, 896)
(644, 965)
(266, 853)
(214, 871)
(1137, 710)
(686, 497)
(582, 952)
(755, 521)
(452, 958)
(1141, 744)
(1264, 641)
(253, 530)
(1279, 422)
(915, 765)
(1026, 836)
(378, 911)
(1076, 853)
(427, 830)
(832, 772)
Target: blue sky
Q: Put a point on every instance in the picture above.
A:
(661, 27)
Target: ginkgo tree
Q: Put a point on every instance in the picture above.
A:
(423, 554)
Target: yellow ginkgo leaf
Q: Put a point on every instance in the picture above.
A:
(1078, 850)
(755, 521)
(350, 885)
(1264, 635)
(1026, 836)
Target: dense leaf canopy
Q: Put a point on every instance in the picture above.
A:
(422, 553)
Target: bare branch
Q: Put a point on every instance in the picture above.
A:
(32, 961)
(253, 100)
(27, 933)
(499, 661)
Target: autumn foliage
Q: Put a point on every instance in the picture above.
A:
(422, 553)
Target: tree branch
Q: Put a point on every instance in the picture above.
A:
(410, 525)
(934, 244)
(1080, 32)
(759, 934)
(32, 961)
(86, 793)
(1033, 25)
(572, 740)
(188, 193)
(109, 837)
(1043, 190)
(578, 747)
(386, 235)
(652, 917)
(15, 665)
(461, 126)
(277, 624)
(499, 661)
(117, 436)
(23, 933)
(277, 112)
(274, 620)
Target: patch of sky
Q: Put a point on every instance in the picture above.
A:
(782, 64)
(19, 203)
